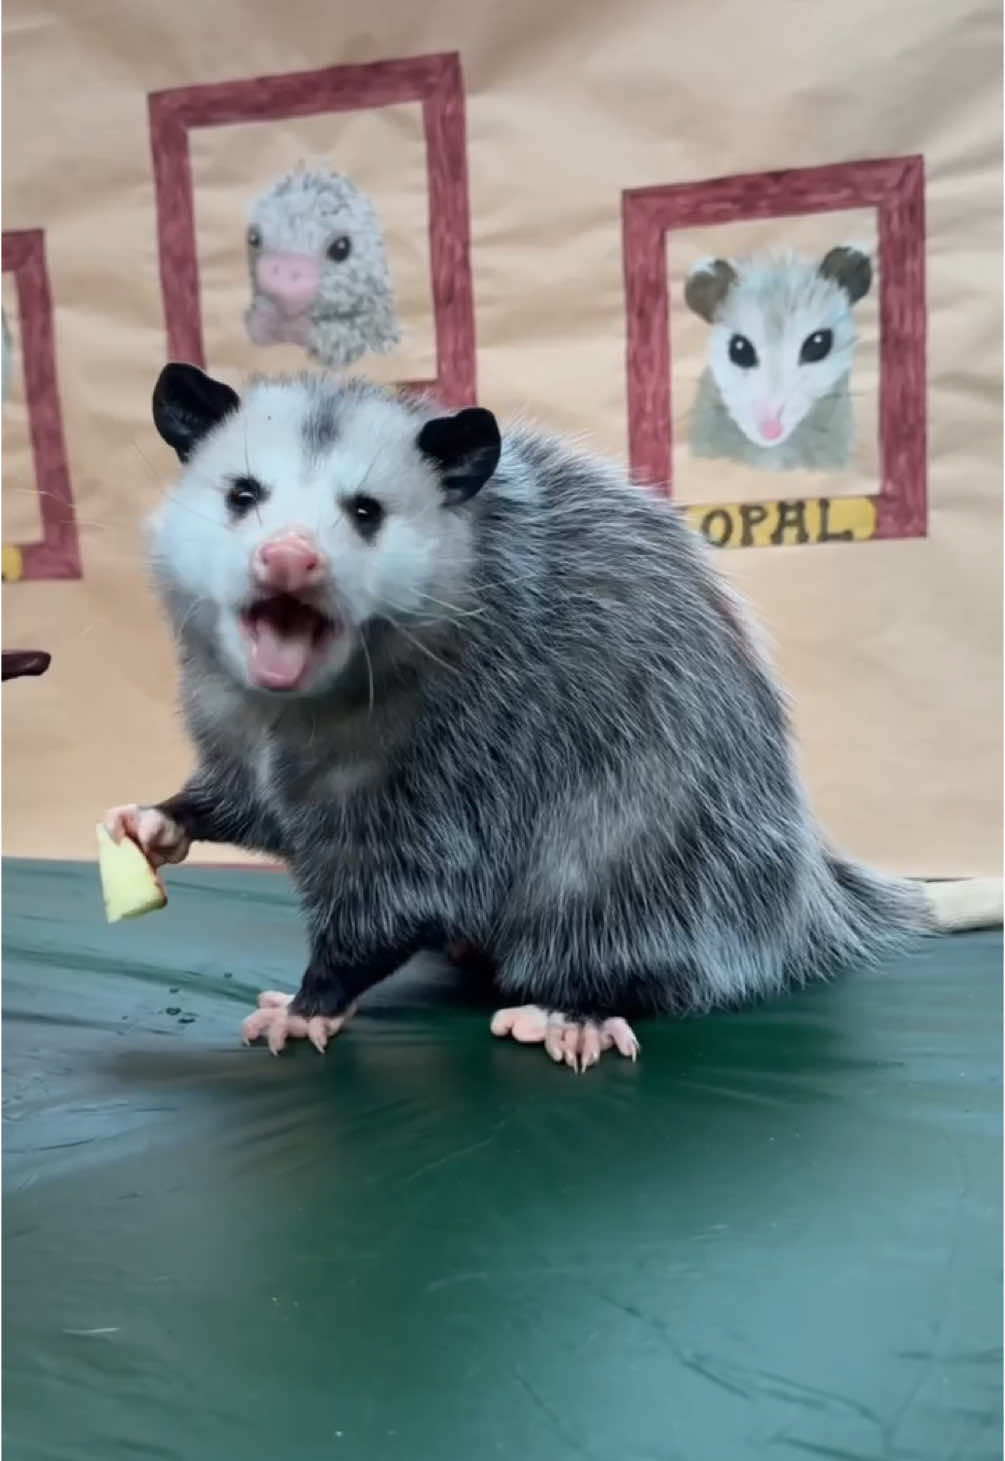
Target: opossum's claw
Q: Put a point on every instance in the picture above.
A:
(623, 1037)
(274, 1020)
(569, 1041)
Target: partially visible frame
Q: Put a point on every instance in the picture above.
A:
(57, 553)
(435, 81)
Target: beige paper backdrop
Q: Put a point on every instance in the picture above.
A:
(891, 649)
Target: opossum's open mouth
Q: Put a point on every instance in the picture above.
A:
(286, 638)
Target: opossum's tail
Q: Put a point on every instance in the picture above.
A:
(881, 914)
(969, 903)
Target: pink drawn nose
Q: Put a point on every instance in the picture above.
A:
(771, 425)
(288, 564)
(291, 279)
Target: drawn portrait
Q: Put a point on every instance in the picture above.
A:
(317, 265)
(775, 361)
(776, 351)
(320, 218)
(775, 392)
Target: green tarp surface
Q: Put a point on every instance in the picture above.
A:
(778, 1235)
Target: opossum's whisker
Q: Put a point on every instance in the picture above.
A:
(31, 492)
(72, 516)
(90, 524)
(417, 642)
(196, 601)
(146, 461)
(517, 578)
(369, 667)
(187, 506)
(366, 475)
(172, 496)
(454, 608)
(436, 620)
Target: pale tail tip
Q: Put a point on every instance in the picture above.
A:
(970, 903)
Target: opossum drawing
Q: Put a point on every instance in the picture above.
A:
(319, 275)
(774, 393)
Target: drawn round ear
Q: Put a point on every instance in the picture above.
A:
(707, 285)
(464, 449)
(187, 404)
(849, 267)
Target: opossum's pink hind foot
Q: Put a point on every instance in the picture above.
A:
(274, 1020)
(577, 1043)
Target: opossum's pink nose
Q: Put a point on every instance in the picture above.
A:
(288, 563)
(770, 423)
(291, 279)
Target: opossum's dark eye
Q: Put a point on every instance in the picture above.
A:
(816, 347)
(339, 249)
(366, 514)
(742, 353)
(254, 237)
(244, 494)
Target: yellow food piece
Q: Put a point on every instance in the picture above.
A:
(129, 885)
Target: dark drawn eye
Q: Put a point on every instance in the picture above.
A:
(254, 237)
(742, 353)
(366, 514)
(339, 249)
(816, 347)
(244, 494)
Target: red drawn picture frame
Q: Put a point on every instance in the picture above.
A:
(895, 187)
(434, 81)
(57, 554)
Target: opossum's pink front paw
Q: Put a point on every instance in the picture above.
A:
(274, 1020)
(160, 837)
(577, 1043)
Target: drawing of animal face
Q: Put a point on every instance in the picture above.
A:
(782, 335)
(318, 269)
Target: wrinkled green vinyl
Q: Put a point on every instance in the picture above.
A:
(777, 1236)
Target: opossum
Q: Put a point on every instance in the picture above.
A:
(482, 689)
(318, 269)
(775, 392)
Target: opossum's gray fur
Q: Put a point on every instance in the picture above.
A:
(583, 766)
(354, 311)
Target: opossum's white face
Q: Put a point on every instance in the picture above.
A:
(782, 338)
(305, 513)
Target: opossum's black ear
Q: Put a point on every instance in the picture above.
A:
(850, 268)
(187, 404)
(707, 286)
(465, 449)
